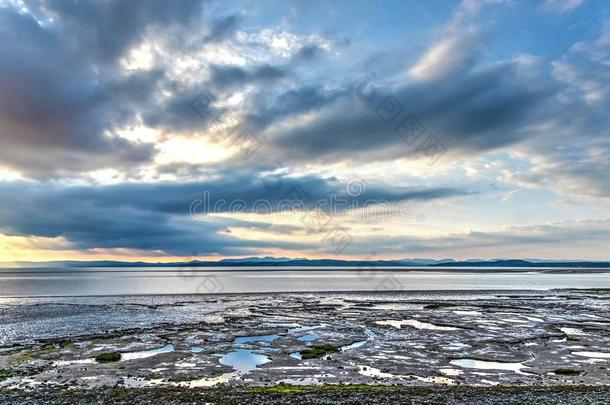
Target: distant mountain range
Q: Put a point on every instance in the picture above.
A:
(302, 262)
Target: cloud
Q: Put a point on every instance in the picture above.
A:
(562, 6)
(107, 29)
(307, 53)
(66, 89)
(62, 98)
(169, 217)
(234, 75)
(537, 241)
(586, 68)
(75, 77)
(482, 111)
(568, 148)
(223, 28)
(455, 53)
(265, 109)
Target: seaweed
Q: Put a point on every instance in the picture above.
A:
(108, 357)
(317, 351)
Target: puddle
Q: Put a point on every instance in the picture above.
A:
(307, 338)
(488, 365)
(304, 329)
(70, 362)
(369, 334)
(196, 349)
(456, 346)
(596, 355)
(514, 320)
(473, 313)
(415, 324)
(104, 346)
(243, 361)
(146, 353)
(255, 338)
(376, 373)
(572, 331)
(353, 345)
(398, 306)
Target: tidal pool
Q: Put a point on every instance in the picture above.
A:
(572, 331)
(416, 324)
(255, 338)
(243, 361)
(596, 355)
(143, 354)
(488, 365)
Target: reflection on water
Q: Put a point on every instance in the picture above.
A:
(416, 324)
(243, 360)
(596, 355)
(142, 281)
(307, 338)
(256, 338)
(125, 356)
(143, 354)
(377, 373)
(488, 365)
(572, 331)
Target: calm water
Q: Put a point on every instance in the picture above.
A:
(137, 281)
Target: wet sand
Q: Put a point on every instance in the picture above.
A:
(430, 340)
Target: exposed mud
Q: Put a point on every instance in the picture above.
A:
(414, 339)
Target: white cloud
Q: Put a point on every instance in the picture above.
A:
(586, 68)
(562, 6)
(455, 53)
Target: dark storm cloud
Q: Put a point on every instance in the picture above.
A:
(106, 29)
(223, 76)
(483, 110)
(175, 198)
(223, 28)
(264, 109)
(307, 53)
(62, 96)
(159, 216)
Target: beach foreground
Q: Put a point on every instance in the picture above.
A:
(517, 346)
(315, 395)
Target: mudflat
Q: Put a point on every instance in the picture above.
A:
(404, 346)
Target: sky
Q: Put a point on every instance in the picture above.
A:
(178, 130)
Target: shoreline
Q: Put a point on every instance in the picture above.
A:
(413, 292)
